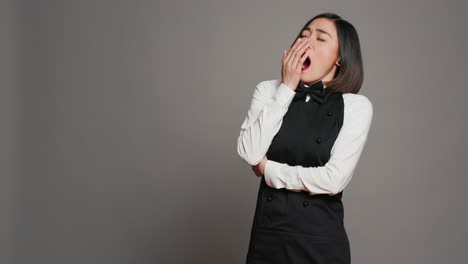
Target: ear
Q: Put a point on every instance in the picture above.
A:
(337, 63)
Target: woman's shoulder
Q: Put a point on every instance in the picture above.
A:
(269, 85)
(357, 103)
(268, 88)
(351, 98)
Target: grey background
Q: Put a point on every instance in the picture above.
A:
(120, 121)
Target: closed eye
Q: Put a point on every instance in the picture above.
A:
(319, 39)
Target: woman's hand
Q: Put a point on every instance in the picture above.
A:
(259, 169)
(292, 63)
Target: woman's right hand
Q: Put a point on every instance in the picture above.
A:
(259, 169)
(292, 63)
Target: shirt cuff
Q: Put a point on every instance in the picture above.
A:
(284, 94)
(270, 177)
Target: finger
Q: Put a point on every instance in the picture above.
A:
(255, 172)
(291, 51)
(296, 43)
(298, 46)
(299, 52)
(302, 59)
(297, 56)
(289, 60)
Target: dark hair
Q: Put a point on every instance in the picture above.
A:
(349, 75)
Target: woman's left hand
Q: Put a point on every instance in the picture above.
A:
(259, 169)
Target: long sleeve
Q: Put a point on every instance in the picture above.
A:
(333, 177)
(264, 118)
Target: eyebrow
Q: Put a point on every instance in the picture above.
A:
(319, 30)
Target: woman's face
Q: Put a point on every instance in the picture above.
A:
(323, 52)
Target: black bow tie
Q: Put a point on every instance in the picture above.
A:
(316, 91)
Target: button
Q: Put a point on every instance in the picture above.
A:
(270, 198)
(319, 140)
(329, 113)
(305, 203)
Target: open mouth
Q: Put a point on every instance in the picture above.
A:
(306, 64)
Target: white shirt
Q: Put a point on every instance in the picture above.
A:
(270, 102)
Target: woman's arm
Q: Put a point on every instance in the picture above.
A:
(263, 121)
(333, 177)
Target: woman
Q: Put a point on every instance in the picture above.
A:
(303, 135)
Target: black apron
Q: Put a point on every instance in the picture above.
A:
(291, 227)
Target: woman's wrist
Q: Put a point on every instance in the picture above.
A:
(289, 85)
